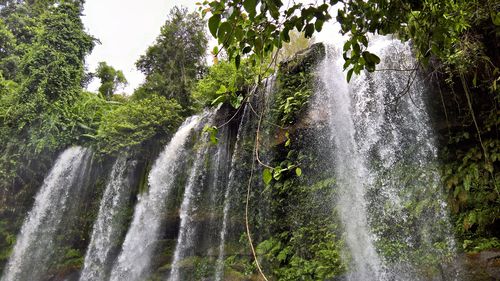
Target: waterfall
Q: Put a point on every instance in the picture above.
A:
(109, 223)
(185, 241)
(133, 261)
(35, 243)
(219, 270)
(246, 130)
(350, 172)
(388, 197)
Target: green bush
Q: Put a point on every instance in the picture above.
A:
(224, 83)
(134, 122)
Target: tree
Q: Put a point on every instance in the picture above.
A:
(135, 122)
(177, 58)
(36, 111)
(438, 28)
(55, 64)
(111, 79)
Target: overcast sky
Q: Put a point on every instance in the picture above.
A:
(127, 27)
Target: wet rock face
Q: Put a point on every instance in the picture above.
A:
(482, 266)
(304, 59)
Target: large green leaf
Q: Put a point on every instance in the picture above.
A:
(267, 176)
(213, 24)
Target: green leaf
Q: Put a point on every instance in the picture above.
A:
(363, 40)
(347, 45)
(237, 61)
(250, 6)
(349, 74)
(219, 99)
(309, 30)
(222, 90)
(212, 131)
(299, 24)
(318, 25)
(223, 32)
(277, 173)
(267, 176)
(371, 57)
(213, 137)
(236, 101)
(238, 33)
(286, 35)
(274, 11)
(213, 24)
(495, 18)
(298, 171)
(89, 136)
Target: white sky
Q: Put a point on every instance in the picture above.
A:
(126, 28)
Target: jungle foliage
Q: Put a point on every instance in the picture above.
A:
(44, 107)
(111, 79)
(177, 59)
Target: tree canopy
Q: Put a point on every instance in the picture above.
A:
(177, 58)
(111, 79)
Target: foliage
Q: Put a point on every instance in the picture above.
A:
(111, 79)
(256, 28)
(481, 244)
(473, 187)
(135, 122)
(293, 96)
(7, 241)
(36, 104)
(304, 242)
(437, 28)
(224, 83)
(177, 58)
(294, 86)
(317, 257)
(54, 67)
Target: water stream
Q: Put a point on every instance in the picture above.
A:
(133, 262)
(219, 268)
(350, 171)
(389, 194)
(109, 223)
(36, 242)
(192, 192)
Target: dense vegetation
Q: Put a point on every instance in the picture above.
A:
(44, 107)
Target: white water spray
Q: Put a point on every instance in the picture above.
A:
(35, 243)
(133, 262)
(98, 259)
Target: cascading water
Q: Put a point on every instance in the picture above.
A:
(219, 270)
(192, 190)
(35, 243)
(109, 223)
(350, 172)
(385, 165)
(135, 257)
